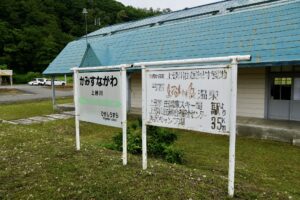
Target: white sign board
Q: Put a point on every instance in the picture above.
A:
(99, 98)
(6, 72)
(193, 98)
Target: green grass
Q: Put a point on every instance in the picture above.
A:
(29, 109)
(259, 163)
(40, 162)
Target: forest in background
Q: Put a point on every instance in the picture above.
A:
(33, 32)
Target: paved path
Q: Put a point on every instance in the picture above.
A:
(31, 93)
(40, 119)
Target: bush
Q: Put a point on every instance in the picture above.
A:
(3, 67)
(159, 142)
(173, 155)
(25, 78)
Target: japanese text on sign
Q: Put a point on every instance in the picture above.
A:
(195, 99)
(104, 81)
(100, 98)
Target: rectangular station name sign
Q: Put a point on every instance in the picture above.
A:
(100, 98)
(195, 98)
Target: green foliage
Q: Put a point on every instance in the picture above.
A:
(33, 32)
(159, 142)
(173, 155)
(25, 78)
(4, 66)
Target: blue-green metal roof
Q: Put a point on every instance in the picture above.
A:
(268, 31)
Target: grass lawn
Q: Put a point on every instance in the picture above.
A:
(40, 162)
(21, 110)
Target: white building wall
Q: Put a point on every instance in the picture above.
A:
(136, 90)
(251, 92)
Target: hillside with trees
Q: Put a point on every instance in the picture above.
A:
(33, 32)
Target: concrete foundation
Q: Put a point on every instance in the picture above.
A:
(278, 130)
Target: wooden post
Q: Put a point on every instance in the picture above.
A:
(11, 80)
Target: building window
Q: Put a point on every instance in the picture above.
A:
(282, 88)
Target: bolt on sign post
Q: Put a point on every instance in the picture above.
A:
(199, 98)
(101, 98)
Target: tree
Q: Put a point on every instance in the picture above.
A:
(33, 32)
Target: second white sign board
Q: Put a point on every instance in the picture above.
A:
(100, 98)
(196, 98)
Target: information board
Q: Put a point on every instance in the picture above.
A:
(196, 98)
(6, 72)
(99, 98)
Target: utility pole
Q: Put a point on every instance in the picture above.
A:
(85, 12)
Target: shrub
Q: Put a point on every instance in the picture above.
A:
(173, 155)
(159, 142)
(3, 67)
(25, 78)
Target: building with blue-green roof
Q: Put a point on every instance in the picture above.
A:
(269, 31)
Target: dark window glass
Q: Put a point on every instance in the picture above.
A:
(281, 88)
(286, 92)
(276, 92)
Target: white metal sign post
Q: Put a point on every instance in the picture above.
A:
(144, 115)
(232, 136)
(194, 98)
(101, 98)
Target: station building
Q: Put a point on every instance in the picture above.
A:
(269, 31)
